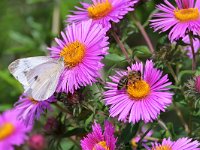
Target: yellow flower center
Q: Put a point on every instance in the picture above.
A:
(33, 100)
(103, 145)
(187, 14)
(162, 147)
(138, 90)
(99, 10)
(73, 53)
(6, 130)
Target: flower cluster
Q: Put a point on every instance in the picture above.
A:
(138, 94)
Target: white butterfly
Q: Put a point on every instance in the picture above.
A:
(39, 75)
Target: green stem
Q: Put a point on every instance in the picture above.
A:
(193, 68)
(75, 142)
(193, 52)
(172, 72)
(191, 117)
(121, 45)
(144, 135)
(180, 115)
(178, 111)
(63, 109)
(162, 125)
(144, 34)
(56, 18)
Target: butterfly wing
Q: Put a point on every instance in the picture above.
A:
(43, 79)
(20, 67)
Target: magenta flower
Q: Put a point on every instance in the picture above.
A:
(177, 19)
(12, 131)
(102, 11)
(180, 144)
(197, 84)
(98, 140)
(37, 142)
(83, 47)
(141, 100)
(196, 43)
(30, 109)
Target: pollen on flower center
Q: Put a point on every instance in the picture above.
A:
(33, 100)
(73, 53)
(187, 14)
(6, 130)
(138, 90)
(99, 10)
(103, 145)
(162, 147)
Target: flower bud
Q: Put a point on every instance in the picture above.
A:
(37, 142)
(197, 84)
(51, 125)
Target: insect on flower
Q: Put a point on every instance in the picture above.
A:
(143, 99)
(132, 77)
(38, 75)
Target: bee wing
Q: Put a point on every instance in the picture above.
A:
(43, 80)
(20, 67)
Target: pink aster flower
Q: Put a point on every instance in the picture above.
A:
(196, 43)
(12, 131)
(180, 144)
(82, 47)
(102, 11)
(177, 19)
(142, 99)
(98, 140)
(30, 109)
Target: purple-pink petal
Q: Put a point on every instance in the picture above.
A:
(147, 108)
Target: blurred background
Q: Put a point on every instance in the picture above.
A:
(27, 27)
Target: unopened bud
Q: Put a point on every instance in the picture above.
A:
(37, 142)
(50, 125)
(197, 84)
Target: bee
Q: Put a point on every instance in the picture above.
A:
(132, 77)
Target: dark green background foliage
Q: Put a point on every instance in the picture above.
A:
(27, 27)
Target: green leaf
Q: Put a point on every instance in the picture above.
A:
(171, 130)
(173, 87)
(66, 144)
(89, 120)
(76, 131)
(114, 57)
(128, 133)
(141, 51)
(185, 72)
